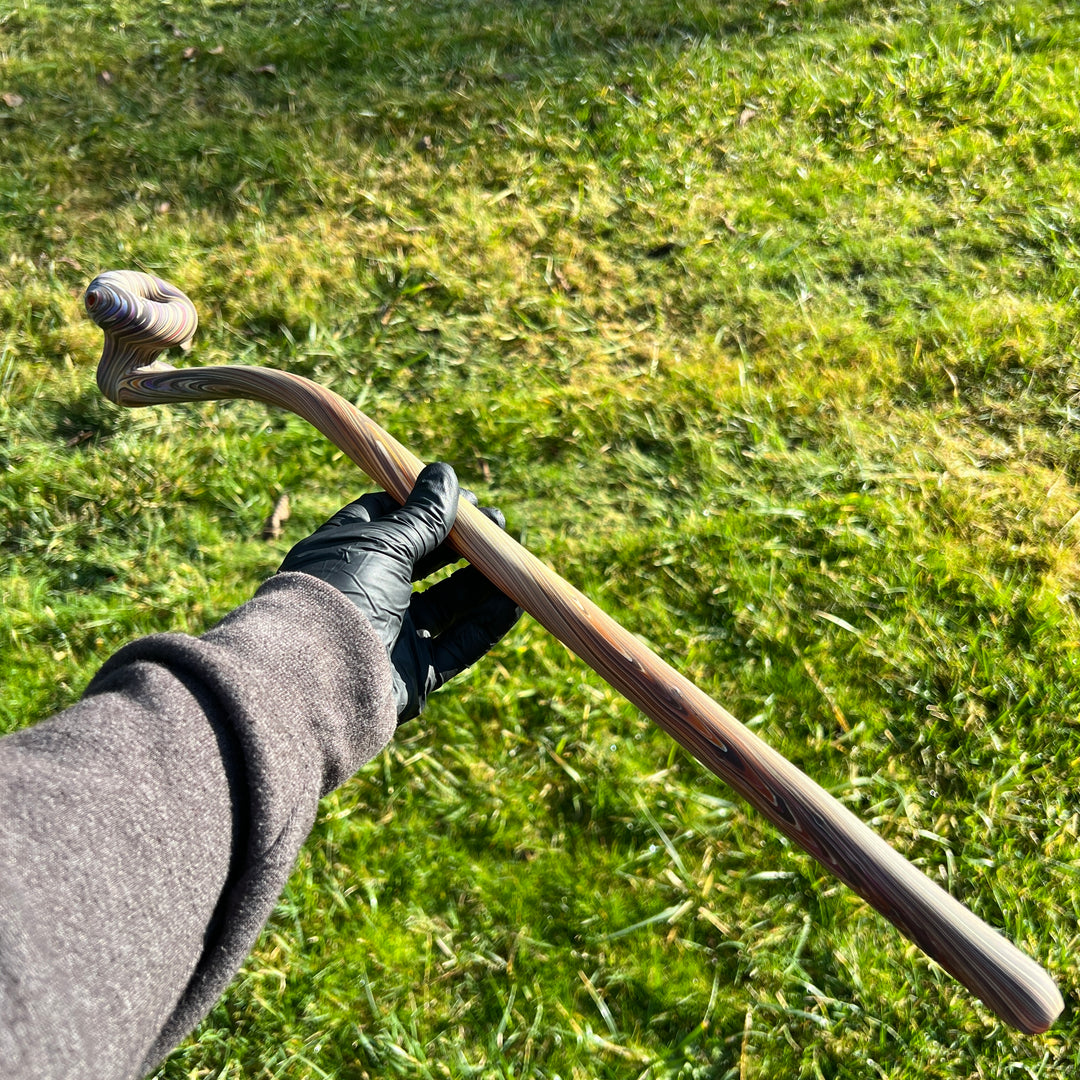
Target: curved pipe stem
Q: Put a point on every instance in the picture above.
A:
(141, 315)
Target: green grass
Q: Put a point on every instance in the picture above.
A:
(758, 320)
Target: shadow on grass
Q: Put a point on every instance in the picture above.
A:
(223, 108)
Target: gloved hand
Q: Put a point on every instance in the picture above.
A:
(373, 550)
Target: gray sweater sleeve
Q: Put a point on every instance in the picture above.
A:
(147, 832)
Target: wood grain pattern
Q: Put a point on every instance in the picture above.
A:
(141, 315)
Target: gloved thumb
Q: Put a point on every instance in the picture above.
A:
(429, 512)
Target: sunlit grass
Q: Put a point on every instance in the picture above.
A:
(758, 322)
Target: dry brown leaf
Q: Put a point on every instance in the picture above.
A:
(280, 513)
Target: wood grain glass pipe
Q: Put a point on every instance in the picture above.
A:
(142, 315)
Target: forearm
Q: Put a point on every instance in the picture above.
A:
(146, 833)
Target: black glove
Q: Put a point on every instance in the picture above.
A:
(373, 550)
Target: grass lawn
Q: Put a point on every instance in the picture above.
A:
(759, 322)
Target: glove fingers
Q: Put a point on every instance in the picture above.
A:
(493, 515)
(378, 504)
(367, 508)
(470, 638)
(444, 555)
(428, 514)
